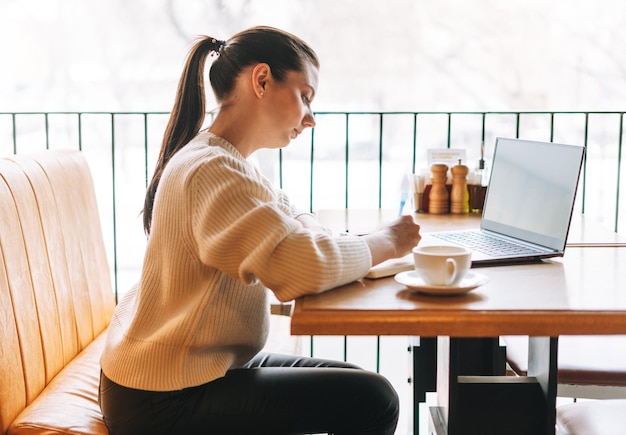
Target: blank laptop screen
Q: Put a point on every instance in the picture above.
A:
(531, 191)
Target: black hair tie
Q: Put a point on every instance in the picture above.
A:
(218, 45)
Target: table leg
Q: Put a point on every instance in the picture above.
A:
(424, 379)
(475, 397)
(543, 366)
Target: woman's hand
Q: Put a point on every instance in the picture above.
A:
(392, 240)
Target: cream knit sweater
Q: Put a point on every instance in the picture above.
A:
(221, 235)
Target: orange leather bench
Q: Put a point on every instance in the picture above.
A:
(56, 298)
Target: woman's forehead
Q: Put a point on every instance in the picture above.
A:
(307, 77)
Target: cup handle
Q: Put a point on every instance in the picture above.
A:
(452, 270)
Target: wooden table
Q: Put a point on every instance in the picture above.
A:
(582, 293)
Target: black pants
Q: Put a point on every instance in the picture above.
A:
(272, 394)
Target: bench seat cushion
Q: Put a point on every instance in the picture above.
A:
(594, 417)
(69, 403)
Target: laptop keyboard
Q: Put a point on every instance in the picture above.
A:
(487, 244)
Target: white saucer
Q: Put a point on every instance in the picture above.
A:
(412, 280)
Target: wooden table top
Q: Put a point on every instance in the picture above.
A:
(583, 231)
(582, 293)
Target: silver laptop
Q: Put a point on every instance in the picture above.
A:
(528, 206)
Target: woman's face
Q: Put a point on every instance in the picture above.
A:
(289, 106)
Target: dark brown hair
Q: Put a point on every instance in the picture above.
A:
(282, 51)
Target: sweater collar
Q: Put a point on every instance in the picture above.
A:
(215, 140)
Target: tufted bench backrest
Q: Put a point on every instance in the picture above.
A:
(55, 284)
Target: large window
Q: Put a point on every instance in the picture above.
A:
(393, 55)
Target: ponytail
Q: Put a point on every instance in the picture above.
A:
(186, 118)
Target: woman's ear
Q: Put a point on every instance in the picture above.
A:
(261, 74)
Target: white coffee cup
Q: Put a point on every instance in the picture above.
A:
(442, 265)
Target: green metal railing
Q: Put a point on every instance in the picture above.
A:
(345, 150)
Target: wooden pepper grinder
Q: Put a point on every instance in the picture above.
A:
(438, 198)
(459, 196)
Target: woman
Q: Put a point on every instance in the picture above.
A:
(182, 352)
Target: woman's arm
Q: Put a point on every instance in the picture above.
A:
(309, 221)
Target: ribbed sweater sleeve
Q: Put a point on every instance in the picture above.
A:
(243, 227)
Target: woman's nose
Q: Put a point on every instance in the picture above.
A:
(309, 120)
